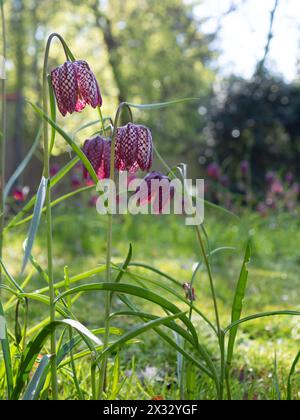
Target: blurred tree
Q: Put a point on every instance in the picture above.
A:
(158, 52)
(141, 50)
(257, 120)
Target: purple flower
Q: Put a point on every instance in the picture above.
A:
(262, 209)
(189, 291)
(134, 148)
(75, 85)
(270, 177)
(54, 169)
(224, 180)
(276, 187)
(97, 150)
(75, 182)
(159, 194)
(244, 167)
(213, 171)
(289, 177)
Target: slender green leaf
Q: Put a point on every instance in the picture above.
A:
(260, 315)
(135, 291)
(136, 331)
(35, 346)
(238, 303)
(10, 277)
(291, 374)
(37, 381)
(6, 353)
(147, 295)
(125, 265)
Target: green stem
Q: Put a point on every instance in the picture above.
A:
(73, 366)
(101, 120)
(108, 254)
(2, 136)
(48, 211)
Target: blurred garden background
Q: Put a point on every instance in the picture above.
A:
(241, 58)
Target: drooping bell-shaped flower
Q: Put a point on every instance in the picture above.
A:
(75, 85)
(134, 148)
(158, 191)
(97, 150)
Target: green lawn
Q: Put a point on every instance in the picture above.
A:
(165, 243)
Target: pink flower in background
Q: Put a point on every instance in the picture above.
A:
(262, 209)
(54, 169)
(289, 178)
(75, 86)
(214, 171)
(93, 200)
(97, 150)
(224, 181)
(134, 148)
(75, 182)
(296, 188)
(277, 187)
(244, 167)
(270, 177)
(20, 194)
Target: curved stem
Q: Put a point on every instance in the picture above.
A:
(48, 208)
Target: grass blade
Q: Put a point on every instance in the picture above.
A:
(260, 315)
(6, 353)
(292, 371)
(238, 305)
(38, 379)
(34, 348)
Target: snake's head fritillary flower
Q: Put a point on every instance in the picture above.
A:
(75, 85)
(189, 291)
(134, 148)
(158, 191)
(97, 150)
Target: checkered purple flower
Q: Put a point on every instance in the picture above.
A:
(97, 150)
(75, 85)
(159, 196)
(134, 148)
